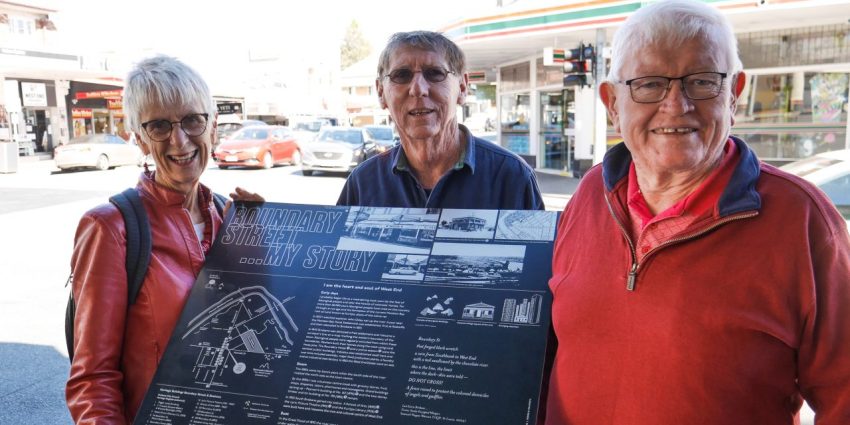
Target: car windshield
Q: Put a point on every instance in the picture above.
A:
(91, 138)
(380, 133)
(251, 134)
(351, 137)
(227, 129)
(313, 126)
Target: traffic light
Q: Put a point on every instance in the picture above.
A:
(579, 63)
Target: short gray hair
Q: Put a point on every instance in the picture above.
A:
(424, 40)
(671, 23)
(163, 82)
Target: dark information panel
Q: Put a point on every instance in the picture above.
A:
(316, 315)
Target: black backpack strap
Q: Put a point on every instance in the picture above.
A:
(138, 239)
(70, 314)
(219, 201)
(138, 230)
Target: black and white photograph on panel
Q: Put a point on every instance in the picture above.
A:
(477, 264)
(405, 267)
(467, 224)
(394, 230)
(525, 311)
(525, 225)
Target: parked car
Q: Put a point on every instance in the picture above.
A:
(224, 130)
(384, 136)
(258, 146)
(830, 171)
(337, 149)
(100, 151)
(307, 129)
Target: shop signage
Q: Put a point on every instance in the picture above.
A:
(34, 94)
(477, 76)
(309, 314)
(553, 56)
(81, 113)
(229, 108)
(102, 94)
(114, 104)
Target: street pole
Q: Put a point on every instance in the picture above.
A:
(600, 122)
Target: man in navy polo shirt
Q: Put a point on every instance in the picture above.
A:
(439, 163)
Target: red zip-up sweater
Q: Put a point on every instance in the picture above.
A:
(733, 320)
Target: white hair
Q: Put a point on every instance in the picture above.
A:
(163, 82)
(672, 23)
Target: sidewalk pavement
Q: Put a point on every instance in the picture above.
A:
(556, 189)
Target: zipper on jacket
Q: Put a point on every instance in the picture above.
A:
(701, 232)
(630, 282)
(630, 285)
(633, 272)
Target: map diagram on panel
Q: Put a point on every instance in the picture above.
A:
(242, 335)
(526, 225)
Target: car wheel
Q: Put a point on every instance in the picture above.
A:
(102, 163)
(307, 173)
(268, 162)
(296, 157)
(223, 167)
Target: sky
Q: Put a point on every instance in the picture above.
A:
(205, 33)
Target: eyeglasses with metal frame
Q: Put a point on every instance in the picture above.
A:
(193, 125)
(696, 86)
(431, 74)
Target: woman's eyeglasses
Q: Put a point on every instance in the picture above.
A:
(432, 75)
(193, 125)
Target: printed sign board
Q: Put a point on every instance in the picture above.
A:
(34, 94)
(229, 108)
(360, 315)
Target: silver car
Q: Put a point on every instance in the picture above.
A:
(100, 151)
(337, 149)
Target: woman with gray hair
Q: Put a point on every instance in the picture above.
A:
(117, 346)
(692, 283)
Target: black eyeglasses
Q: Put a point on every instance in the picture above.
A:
(160, 130)
(697, 86)
(431, 74)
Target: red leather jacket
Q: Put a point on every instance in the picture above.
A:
(116, 351)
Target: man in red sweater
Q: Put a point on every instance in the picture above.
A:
(692, 283)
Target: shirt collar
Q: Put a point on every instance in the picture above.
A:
(467, 156)
(702, 200)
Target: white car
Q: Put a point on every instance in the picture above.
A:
(829, 171)
(100, 151)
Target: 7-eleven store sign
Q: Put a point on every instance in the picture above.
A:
(553, 56)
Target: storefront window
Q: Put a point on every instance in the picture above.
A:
(101, 122)
(515, 112)
(549, 75)
(789, 116)
(552, 116)
(515, 77)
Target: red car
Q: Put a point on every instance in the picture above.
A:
(258, 146)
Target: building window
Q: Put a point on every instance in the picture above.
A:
(549, 75)
(811, 45)
(515, 113)
(788, 116)
(515, 77)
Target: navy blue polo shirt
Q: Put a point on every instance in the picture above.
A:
(487, 177)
